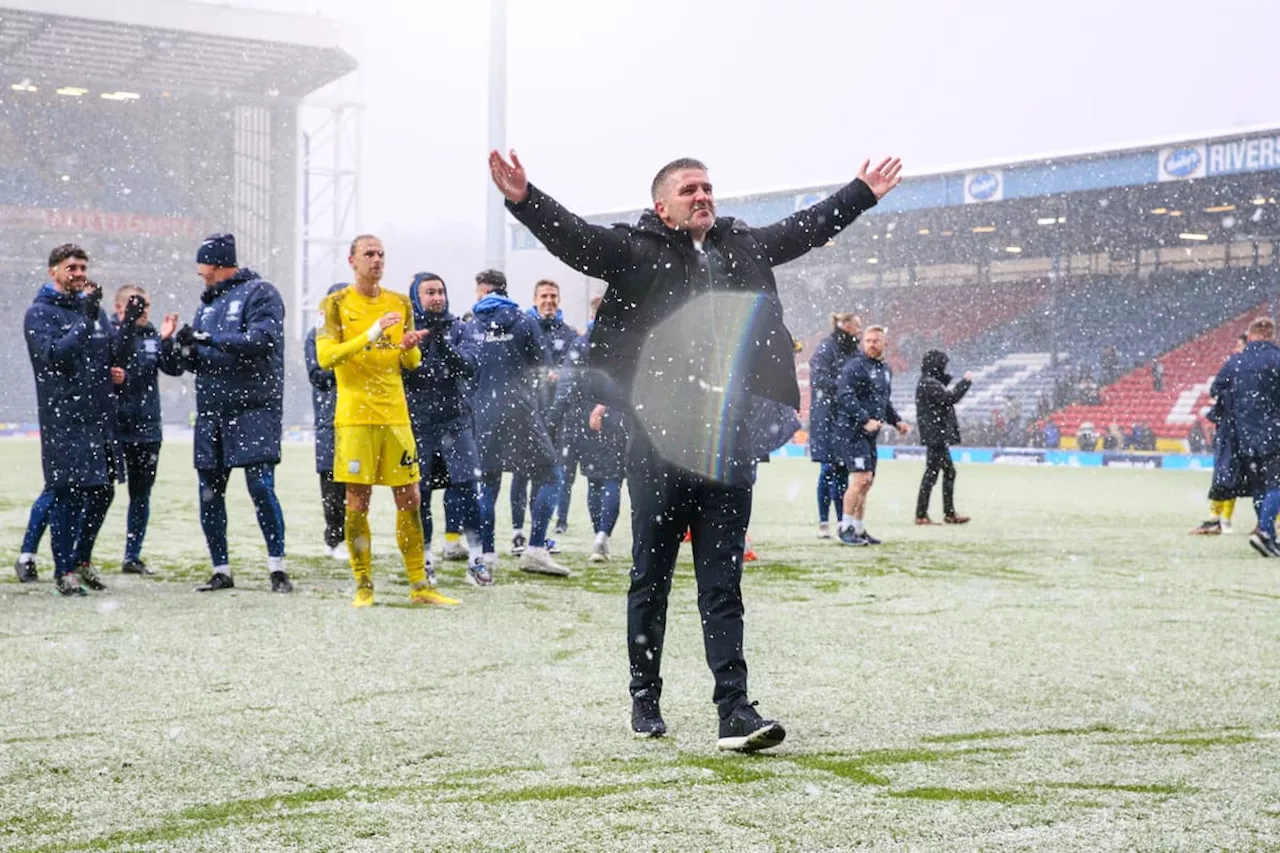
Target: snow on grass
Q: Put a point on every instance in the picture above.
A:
(1071, 671)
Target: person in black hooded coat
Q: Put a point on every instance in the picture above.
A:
(438, 393)
(939, 429)
(835, 351)
(678, 262)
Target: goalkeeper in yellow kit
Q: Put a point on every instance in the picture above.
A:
(366, 337)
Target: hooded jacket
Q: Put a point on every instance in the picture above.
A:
(242, 366)
(72, 358)
(828, 360)
(1249, 385)
(138, 419)
(653, 271)
(935, 404)
(439, 388)
(510, 430)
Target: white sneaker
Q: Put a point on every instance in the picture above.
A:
(600, 548)
(1226, 527)
(538, 561)
(340, 553)
(824, 530)
(456, 551)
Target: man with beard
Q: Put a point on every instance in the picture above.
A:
(438, 393)
(864, 409)
(677, 263)
(70, 343)
(825, 366)
(368, 341)
(235, 347)
(939, 429)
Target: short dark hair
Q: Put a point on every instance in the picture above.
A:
(495, 280)
(670, 169)
(67, 250)
(356, 243)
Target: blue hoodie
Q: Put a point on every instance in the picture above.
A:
(510, 429)
(439, 389)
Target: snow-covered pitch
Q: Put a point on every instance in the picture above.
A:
(1071, 671)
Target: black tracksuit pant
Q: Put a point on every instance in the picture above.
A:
(937, 458)
(333, 498)
(665, 501)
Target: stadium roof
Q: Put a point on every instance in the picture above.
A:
(178, 45)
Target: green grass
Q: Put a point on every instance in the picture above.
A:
(1070, 671)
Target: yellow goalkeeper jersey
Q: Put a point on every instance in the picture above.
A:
(370, 391)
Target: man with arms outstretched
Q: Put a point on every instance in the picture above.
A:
(677, 253)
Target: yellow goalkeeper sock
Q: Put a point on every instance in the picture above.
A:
(1215, 510)
(409, 538)
(1228, 509)
(359, 546)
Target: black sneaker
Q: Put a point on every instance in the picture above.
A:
(518, 543)
(746, 731)
(1264, 544)
(89, 574)
(26, 570)
(869, 539)
(848, 537)
(135, 566)
(217, 582)
(1212, 527)
(69, 585)
(646, 718)
(562, 527)
(280, 582)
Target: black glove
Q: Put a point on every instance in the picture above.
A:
(134, 309)
(201, 337)
(91, 302)
(185, 336)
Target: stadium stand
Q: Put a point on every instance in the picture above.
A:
(1170, 412)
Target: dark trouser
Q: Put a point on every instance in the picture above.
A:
(140, 463)
(333, 499)
(461, 501)
(937, 458)
(75, 517)
(833, 480)
(544, 504)
(261, 480)
(568, 472)
(604, 502)
(455, 498)
(666, 501)
(37, 521)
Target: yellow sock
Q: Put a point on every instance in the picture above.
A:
(1215, 509)
(409, 538)
(1228, 509)
(452, 537)
(359, 546)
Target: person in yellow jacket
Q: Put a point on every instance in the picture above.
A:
(366, 337)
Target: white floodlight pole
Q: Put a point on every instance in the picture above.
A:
(496, 220)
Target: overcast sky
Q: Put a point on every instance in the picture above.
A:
(774, 95)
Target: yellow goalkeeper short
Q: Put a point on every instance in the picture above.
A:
(375, 455)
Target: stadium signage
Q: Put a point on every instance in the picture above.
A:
(96, 222)
(1182, 162)
(1256, 154)
(983, 186)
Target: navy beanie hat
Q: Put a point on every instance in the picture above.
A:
(218, 250)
